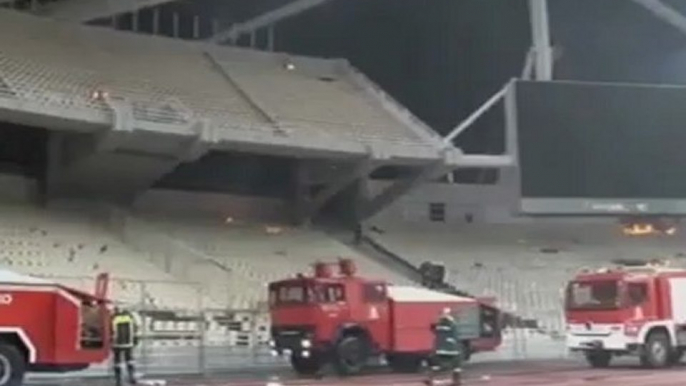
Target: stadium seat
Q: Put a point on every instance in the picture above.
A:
(51, 63)
(72, 249)
(253, 257)
(525, 265)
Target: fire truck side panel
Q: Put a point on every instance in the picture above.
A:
(24, 312)
(412, 321)
(411, 326)
(68, 335)
(677, 299)
(377, 322)
(368, 309)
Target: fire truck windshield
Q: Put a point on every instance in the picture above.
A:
(292, 293)
(593, 295)
(301, 293)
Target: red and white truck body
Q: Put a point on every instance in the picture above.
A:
(50, 326)
(414, 310)
(347, 320)
(628, 311)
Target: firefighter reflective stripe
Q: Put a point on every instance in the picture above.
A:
(123, 331)
(447, 340)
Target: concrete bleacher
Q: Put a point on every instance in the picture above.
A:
(72, 249)
(526, 266)
(255, 255)
(62, 65)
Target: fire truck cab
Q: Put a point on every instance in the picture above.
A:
(347, 320)
(47, 327)
(628, 311)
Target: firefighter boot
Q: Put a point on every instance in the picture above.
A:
(117, 373)
(131, 370)
(431, 377)
(457, 376)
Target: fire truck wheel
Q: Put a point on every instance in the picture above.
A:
(351, 355)
(12, 366)
(657, 351)
(677, 356)
(599, 359)
(305, 366)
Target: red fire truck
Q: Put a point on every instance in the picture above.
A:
(628, 311)
(347, 320)
(46, 327)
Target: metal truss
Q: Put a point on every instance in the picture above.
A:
(82, 11)
(540, 34)
(267, 19)
(665, 13)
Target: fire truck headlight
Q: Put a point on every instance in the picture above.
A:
(305, 343)
(275, 353)
(632, 329)
(306, 354)
(272, 344)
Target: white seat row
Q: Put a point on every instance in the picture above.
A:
(525, 266)
(254, 257)
(72, 249)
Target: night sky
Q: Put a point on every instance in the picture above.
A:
(443, 58)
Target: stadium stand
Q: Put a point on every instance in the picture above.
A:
(137, 121)
(72, 249)
(525, 266)
(117, 121)
(255, 255)
(227, 85)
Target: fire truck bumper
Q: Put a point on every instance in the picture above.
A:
(304, 348)
(612, 342)
(293, 340)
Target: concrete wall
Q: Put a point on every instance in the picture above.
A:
(213, 205)
(485, 203)
(16, 188)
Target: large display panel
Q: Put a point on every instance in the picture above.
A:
(598, 148)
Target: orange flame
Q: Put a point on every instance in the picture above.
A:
(647, 229)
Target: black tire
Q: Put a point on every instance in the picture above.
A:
(657, 351)
(677, 356)
(351, 355)
(12, 366)
(306, 366)
(407, 364)
(599, 359)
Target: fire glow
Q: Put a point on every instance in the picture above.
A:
(647, 229)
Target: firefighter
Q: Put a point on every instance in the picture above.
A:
(124, 340)
(447, 348)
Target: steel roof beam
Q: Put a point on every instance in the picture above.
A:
(82, 11)
(665, 13)
(269, 18)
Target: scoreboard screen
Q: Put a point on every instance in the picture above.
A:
(595, 148)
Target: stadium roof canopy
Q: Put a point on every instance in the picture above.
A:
(176, 100)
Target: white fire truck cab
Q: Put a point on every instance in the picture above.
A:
(45, 326)
(628, 311)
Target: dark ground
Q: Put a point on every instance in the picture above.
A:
(552, 372)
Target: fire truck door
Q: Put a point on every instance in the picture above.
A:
(376, 313)
(638, 295)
